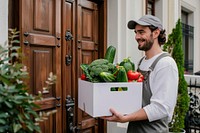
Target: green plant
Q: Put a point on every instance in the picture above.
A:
(174, 46)
(17, 113)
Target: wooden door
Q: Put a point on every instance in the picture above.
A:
(57, 36)
(40, 29)
(88, 50)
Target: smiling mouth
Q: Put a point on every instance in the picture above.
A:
(140, 41)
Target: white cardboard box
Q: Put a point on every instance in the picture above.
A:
(97, 98)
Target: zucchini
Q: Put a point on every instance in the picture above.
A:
(110, 54)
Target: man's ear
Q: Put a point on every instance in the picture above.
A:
(156, 33)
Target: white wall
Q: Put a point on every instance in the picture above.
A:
(173, 14)
(134, 10)
(3, 21)
(119, 13)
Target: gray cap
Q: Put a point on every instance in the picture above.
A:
(146, 20)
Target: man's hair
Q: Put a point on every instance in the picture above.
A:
(161, 37)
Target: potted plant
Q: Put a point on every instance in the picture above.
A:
(174, 47)
(17, 113)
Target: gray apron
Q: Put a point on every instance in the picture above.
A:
(144, 126)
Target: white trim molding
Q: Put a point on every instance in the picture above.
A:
(3, 21)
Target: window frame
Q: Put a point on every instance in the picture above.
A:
(152, 3)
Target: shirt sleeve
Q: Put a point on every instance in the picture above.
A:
(164, 87)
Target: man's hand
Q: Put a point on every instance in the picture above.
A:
(116, 117)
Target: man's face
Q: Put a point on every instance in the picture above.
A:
(144, 37)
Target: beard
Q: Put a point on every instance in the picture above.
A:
(147, 43)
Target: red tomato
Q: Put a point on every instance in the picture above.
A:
(83, 77)
(141, 76)
(133, 75)
(130, 80)
(140, 80)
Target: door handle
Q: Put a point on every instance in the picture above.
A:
(71, 128)
(68, 36)
(70, 114)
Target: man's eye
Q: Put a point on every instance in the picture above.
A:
(141, 32)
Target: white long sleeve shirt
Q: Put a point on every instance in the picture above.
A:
(164, 87)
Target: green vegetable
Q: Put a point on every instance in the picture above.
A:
(127, 64)
(121, 75)
(93, 70)
(110, 54)
(107, 77)
(84, 67)
(98, 61)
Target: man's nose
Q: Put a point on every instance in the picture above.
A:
(137, 36)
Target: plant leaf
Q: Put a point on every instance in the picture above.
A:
(16, 127)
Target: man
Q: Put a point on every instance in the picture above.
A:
(161, 80)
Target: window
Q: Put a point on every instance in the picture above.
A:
(150, 7)
(188, 43)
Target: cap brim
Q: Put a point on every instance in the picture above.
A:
(131, 24)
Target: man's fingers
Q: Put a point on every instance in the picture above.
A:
(114, 116)
(112, 111)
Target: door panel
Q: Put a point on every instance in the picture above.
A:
(42, 14)
(42, 66)
(40, 42)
